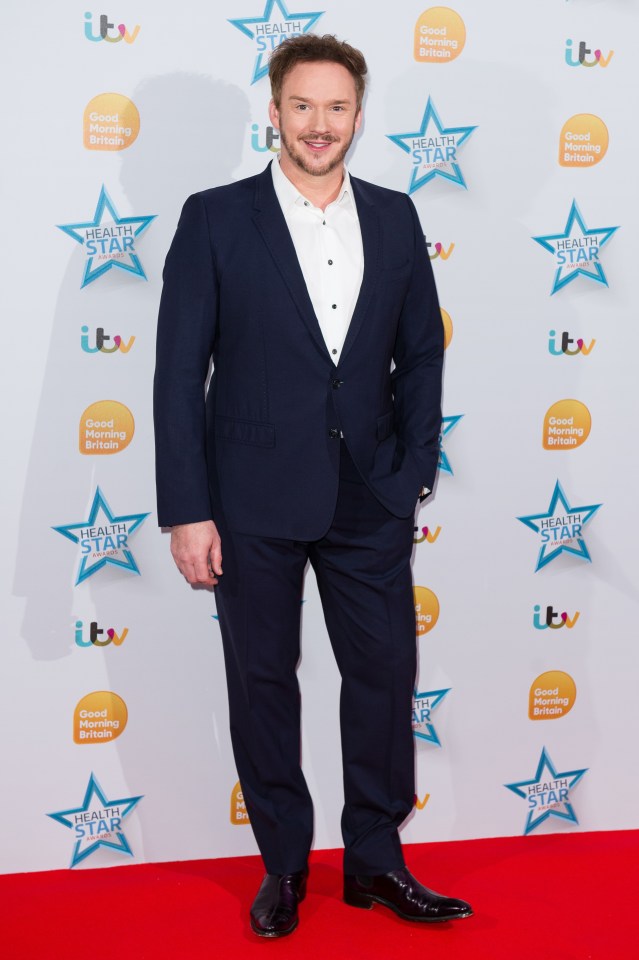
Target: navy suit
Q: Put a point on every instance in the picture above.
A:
(263, 457)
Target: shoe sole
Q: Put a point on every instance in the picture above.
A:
(367, 901)
(273, 934)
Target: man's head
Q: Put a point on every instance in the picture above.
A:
(309, 48)
(317, 85)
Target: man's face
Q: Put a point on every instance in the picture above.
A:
(317, 117)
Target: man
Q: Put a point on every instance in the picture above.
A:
(305, 285)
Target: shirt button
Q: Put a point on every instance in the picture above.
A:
(306, 203)
(334, 433)
(334, 306)
(333, 351)
(330, 263)
(323, 223)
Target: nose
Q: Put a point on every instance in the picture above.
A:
(321, 120)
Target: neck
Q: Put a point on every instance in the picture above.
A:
(319, 190)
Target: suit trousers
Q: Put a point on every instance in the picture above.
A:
(362, 566)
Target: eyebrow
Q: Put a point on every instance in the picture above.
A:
(308, 100)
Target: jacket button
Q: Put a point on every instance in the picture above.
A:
(336, 384)
(334, 433)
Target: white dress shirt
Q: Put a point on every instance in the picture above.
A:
(328, 244)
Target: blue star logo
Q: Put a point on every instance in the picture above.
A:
(269, 29)
(448, 424)
(576, 250)
(108, 239)
(97, 822)
(434, 149)
(423, 705)
(560, 528)
(103, 538)
(547, 793)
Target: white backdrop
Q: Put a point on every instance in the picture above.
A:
(160, 734)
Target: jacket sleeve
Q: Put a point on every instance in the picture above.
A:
(186, 331)
(418, 356)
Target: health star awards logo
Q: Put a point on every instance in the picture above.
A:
(560, 528)
(97, 822)
(109, 240)
(576, 250)
(448, 424)
(548, 793)
(433, 149)
(103, 538)
(423, 706)
(270, 29)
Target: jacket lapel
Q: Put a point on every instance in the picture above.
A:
(370, 227)
(270, 222)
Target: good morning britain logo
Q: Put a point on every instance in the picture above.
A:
(111, 122)
(567, 425)
(583, 141)
(106, 427)
(439, 36)
(266, 31)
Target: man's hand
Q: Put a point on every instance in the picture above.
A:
(197, 551)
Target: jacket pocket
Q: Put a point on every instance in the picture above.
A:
(245, 431)
(385, 425)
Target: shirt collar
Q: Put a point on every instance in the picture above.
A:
(290, 197)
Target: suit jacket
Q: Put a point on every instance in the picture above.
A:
(262, 448)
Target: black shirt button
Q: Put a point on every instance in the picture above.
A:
(333, 351)
(336, 384)
(330, 263)
(334, 433)
(334, 306)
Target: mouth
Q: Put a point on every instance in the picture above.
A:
(318, 146)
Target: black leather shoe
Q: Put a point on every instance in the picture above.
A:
(274, 910)
(401, 892)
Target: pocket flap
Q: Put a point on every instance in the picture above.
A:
(245, 431)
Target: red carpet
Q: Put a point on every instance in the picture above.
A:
(555, 897)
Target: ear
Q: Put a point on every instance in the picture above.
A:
(358, 119)
(274, 115)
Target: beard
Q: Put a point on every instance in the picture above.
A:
(316, 167)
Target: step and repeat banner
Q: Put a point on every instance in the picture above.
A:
(513, 128)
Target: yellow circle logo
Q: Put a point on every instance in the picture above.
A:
(99, 717)
(448, 327)
(552, 695)
(239, 816)
(106, 427)
(111, 122)
(426, 610)
(566, 425)
(440, 35)
(583, 141)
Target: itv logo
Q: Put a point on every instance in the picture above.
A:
(105, 28)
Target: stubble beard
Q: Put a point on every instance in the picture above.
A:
(314, 169)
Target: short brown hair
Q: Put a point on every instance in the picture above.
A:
(310, 48)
